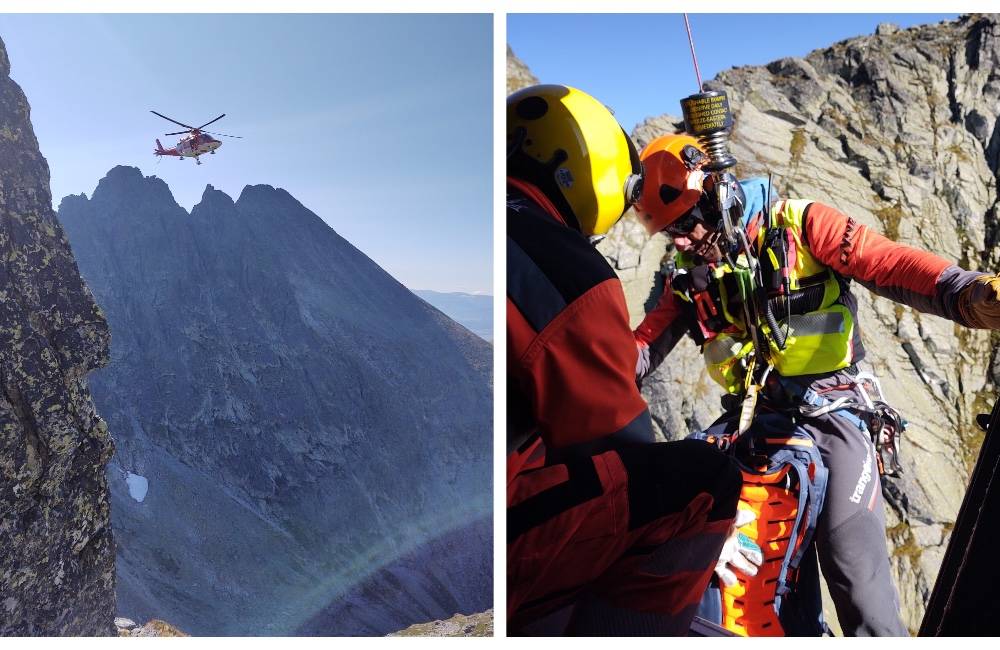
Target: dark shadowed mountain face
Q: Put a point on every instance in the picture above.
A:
(473, 311)
(292, 424)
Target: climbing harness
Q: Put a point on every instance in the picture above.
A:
(871, 414)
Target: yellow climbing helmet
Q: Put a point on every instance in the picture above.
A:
(571, 147)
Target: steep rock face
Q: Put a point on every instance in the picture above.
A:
(292, 420)
(56, 548)
(898, 130)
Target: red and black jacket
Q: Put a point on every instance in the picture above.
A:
(570, 352)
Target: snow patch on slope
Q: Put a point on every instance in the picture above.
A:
(137, 486)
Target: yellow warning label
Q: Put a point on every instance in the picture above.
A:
(710, 113)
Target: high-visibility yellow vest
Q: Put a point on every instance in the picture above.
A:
(818, 341)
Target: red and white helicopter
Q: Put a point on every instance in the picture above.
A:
(195, 143)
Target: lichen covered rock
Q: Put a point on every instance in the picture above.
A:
(56, 547)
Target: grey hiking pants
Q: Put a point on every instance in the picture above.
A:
(850, 537)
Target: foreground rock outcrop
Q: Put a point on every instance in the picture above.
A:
(56, 547)
(155, 627)
(899, 130)
(457, 625)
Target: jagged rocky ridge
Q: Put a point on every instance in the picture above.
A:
(294, 426)
(899, 130)
(56, 547)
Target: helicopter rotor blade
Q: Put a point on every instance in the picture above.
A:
(210, 121)
(169, 119)
(225, 134)
(177, 133)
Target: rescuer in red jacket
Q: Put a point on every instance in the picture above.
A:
(608, 532)
(809, 253)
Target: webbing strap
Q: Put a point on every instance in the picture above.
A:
(812, 493)
(790, 555)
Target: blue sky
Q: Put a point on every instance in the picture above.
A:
(640, 65)
(380, 124)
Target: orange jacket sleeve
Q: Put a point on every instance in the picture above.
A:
(902, 273)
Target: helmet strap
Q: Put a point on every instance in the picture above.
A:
(520, 135)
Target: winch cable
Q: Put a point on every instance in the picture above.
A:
(707, 117)
(694, 57)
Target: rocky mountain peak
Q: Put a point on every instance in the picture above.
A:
(262, 192)
(127, 181)
(214, 200)
(4, 60)
(73, 200)
(518, 74)
(308, 438)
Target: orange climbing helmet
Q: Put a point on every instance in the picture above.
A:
(673, 177)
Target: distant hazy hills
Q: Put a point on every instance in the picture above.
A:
(474, 311)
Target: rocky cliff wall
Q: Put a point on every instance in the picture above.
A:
(899, 130)
(56, 547)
